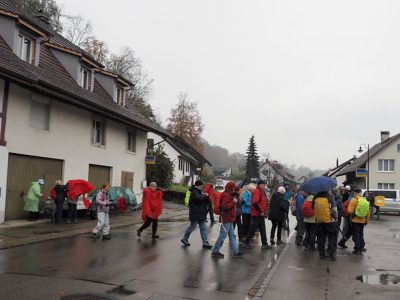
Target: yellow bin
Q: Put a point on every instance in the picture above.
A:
(379, 201)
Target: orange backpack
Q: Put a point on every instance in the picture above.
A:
(217, 203)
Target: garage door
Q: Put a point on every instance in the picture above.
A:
(98, 175)
(22, 170)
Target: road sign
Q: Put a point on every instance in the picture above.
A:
(361, 173)
(150, 160)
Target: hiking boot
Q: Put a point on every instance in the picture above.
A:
(298, 243)
(106, 237)
(247, 246)
(69, 222)
(280, 242)
(332, 258)
(138, 232)
(76, 221)
(322, 256)
(185, 242)
(266, 247)
(94, 236)
(238, 255)
(272, 242)
(357, 252)
(363, 250)
(207, 246)
(217, 254)
(342, 244)
(155, 236)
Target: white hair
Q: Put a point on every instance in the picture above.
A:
(281, 190)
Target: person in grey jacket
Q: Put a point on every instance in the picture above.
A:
(103, 207)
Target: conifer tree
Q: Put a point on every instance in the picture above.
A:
(252, 160)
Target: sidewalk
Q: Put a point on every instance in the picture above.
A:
(302, 275)
(21, 232)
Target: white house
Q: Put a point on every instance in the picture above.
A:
(62, 116)
(384, 160)
(188, 163)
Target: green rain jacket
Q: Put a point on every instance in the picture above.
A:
(33, 197)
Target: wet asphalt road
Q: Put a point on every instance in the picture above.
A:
(130, 268)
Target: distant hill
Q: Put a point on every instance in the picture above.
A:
(221, 159)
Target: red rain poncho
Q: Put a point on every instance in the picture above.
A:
(151, 204)
(79, 187)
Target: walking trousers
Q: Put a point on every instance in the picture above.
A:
(257, 223)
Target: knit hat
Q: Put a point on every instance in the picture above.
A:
(198, 183)
(41, 181)
(281, 190)
(230, 186)
(261, 182)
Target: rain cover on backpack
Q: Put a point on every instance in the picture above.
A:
(362, 208)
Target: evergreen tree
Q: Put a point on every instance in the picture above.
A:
(252, 160)
(163, 171)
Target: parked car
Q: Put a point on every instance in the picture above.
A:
(219, 185)
(392, 199)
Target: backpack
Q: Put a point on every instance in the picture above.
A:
(322, 210)
(53, 194)
(293, 205)
(346, 208)
(306, 210)
(187, 198)
(362, 208)
(217, 204)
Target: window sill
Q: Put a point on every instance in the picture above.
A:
(386, 172)
(130, 152)
(98, 145)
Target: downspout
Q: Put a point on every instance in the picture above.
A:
(3, 113)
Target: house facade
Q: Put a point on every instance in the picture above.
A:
(334, 172)
(188, 163)
(384, 165)
(62, 115)
(276, 175)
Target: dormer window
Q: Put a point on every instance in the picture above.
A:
(120, 96)
(26, 48)
(86, 79)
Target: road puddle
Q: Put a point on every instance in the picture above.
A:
(380, 279)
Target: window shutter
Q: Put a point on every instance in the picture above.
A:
(93, 130)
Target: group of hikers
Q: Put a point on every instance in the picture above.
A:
(320, 216)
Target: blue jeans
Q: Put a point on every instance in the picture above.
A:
(226, 229)
(192, 227)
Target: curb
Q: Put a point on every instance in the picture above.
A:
(77, 232)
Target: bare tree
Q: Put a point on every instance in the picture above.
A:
(77, 30)
(97, 48)
(185, 122)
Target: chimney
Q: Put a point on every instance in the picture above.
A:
(385, 135)
(42, 18)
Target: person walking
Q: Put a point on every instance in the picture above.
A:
(326, 219)
(246, 196)
(278, 207)
(151, 209)
(360, 211)
(238, 222)
(309, 224)
(32, 200)
(60, 195)
(209, 189)
(258, 213)
(288, 197)
(300, 228)
(347, 229)
(103, 208)
(72, 210)
(198, 203)
(228, 216)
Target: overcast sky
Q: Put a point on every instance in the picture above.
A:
(311, 79)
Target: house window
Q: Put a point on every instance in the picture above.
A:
(120, 96)
(187, 167)
(150, 143)
(386, 186)
(40, 115)
(86, 79)
(98, 132)
(398, 147)
(181, 164)
(386, 165)
(131, 140)
(26, 48)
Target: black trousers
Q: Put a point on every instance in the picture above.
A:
(210, 210)
(257, 223)
(276, 224)
(33, 216)
(246, 218)
(239, 224)
(72, 211)
(311, 233)
(327, 231)
(358, 236)
(59, 211)
(146, 224)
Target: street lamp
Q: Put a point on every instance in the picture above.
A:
(360, 150)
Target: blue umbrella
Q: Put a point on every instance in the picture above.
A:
(318, 184)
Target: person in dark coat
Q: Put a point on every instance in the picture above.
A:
(61, 194)
(278, 208)
(198, 209)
